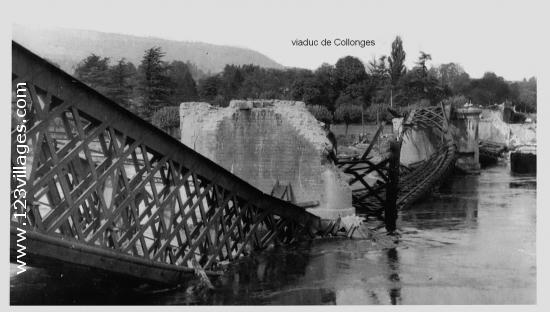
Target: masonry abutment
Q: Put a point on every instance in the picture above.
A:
(266, 142)
(465, 126)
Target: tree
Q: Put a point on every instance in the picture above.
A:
(121, 82)
(455, 101)
(168, 119)
(321, 113)
(307, 90)
(325, 76)
(490, 89)
(397, 61)
(422, 60)
(417, 85)
(380, 77)
(349, 70)
(347, 113)
(527, 95)
(154, 84)
(251, 81)
(210, 87)
(454, 76)
(254, 82)
(183, 86)
(94, 71)
(420, 84)
(232, 80)
(348, 109)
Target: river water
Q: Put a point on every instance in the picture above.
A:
(473, 242)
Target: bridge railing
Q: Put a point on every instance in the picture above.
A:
(99, 175)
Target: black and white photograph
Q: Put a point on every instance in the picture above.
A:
(274, 153)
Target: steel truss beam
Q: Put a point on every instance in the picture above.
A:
(108, 190)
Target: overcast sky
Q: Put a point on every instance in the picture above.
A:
(480, 35)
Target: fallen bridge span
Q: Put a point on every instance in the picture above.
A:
(107, 190)
(371, 177)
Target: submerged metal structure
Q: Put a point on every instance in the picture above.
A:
(370, 197)
(107, 190)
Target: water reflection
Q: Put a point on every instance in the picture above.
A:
(453, 206)
(393, 263)
(528, 181)
(473, 242)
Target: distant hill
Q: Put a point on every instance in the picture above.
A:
(67, 47)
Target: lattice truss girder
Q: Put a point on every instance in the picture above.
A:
(370, 180)
(429, 118)
(91, 182)
(367, 191)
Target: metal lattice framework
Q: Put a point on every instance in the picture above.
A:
(425, 176)
(108, 190)
(432, 117)
(369, 196)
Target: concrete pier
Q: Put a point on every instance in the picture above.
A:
(265, 142)
(417, 144)
(465, 125)
(493, 128)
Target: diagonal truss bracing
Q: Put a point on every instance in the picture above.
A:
(105, 183)
(369, 195)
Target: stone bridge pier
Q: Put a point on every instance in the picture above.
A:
(420, 144)
(417, 144)
(465, 130)
(271, 144)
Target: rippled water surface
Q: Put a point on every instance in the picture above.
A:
(471, 243)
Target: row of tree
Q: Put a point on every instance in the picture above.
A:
(144, 89)
(346, 91)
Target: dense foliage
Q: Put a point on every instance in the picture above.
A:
(154, 84)
(166, 117)
(348, 113)
(321, 113)
(347, 91)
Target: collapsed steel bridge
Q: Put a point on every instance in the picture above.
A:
(415, 181)
(107, 190)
